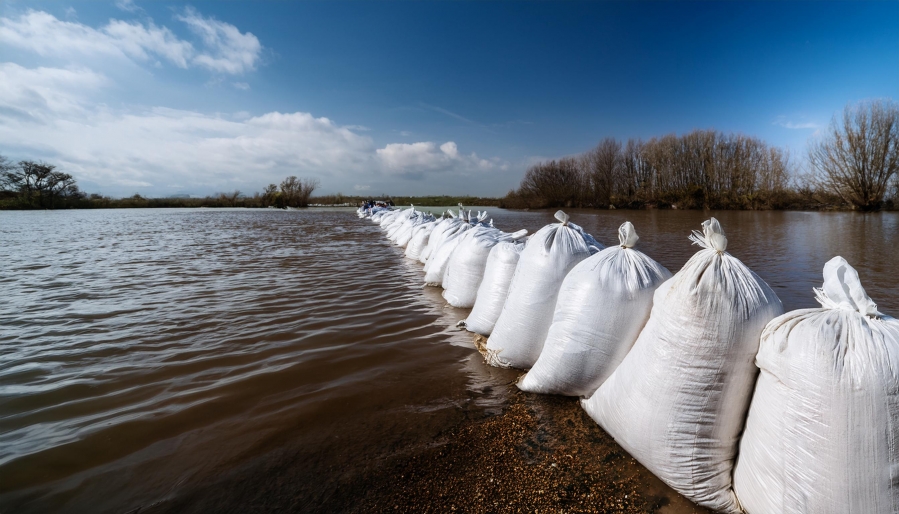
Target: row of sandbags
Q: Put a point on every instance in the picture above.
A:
(668, 365)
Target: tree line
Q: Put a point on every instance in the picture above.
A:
(855, 163)
(38, 185)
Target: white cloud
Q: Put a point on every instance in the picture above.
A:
(127, 5)
(225, 48)
(229, 50)
(46, 113)
(41, 95)
(783, 122)
(72, 116)
(414, 159)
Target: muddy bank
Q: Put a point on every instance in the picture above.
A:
(537, 454)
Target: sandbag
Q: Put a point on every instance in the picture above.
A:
(402, 223)
(678, 401)
(420, 236)
(823, 428)
(465, 269)
(404, 234)
(390, 218)
(517, 338)
(494, 289)
(436, 266)
(439, 234)
(603, 304)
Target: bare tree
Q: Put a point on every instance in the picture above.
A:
(270, 195)
(230, 199)
(307, 186)
(295, 192)
(603, 167)
(859, 154)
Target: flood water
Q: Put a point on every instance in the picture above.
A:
(146, 355)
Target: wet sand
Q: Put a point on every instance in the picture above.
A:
(534, 453)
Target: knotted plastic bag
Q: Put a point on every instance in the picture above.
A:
(517, 338)
(822, 434)
(494, 288)
(467, 265)
(603, 304)
(678, 400)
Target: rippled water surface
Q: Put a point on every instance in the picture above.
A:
(143, 351)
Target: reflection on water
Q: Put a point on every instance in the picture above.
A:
(142, 350)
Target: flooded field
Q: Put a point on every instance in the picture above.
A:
(268, 361)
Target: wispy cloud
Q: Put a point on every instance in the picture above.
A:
(782, 121)
(221, 48)
(128, 6)
(449, 113)
(241, 85)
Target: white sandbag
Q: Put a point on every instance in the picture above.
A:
(439, 234)
(397, 221)
(678, 401)
(603, 304)
(517, 338)
(494, 288)
(435, 269)
(419, 240)
(402, 222)
(465, 269)
(389, 218)
(822, 434)
(450, 232)
(404, 235)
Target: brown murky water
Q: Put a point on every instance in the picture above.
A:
(260, 361)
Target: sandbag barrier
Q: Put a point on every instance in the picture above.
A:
(699, 375)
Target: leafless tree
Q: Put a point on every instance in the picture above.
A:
(270, 195)
(295, 192)
(859, 154)
(553, 183)
(603, 167)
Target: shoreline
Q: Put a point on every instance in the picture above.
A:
(529, 453)
(539, 454)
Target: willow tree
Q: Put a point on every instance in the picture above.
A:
(859, 153)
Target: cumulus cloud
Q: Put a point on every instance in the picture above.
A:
(47, 112)
(224, 49)
(413, 160)
(70, 115)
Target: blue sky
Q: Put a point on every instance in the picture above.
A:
(413, 97)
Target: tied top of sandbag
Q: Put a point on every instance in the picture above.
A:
(712, 236)
(627, 235)
(843, 290)
(562, 217)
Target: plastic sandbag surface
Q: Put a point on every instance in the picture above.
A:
(603, 304)
(517, 338)
(420, 236)
(822, 434)
(466, 266)
(678, 401)
(436, 266)
(494, 288)
(438, 235)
